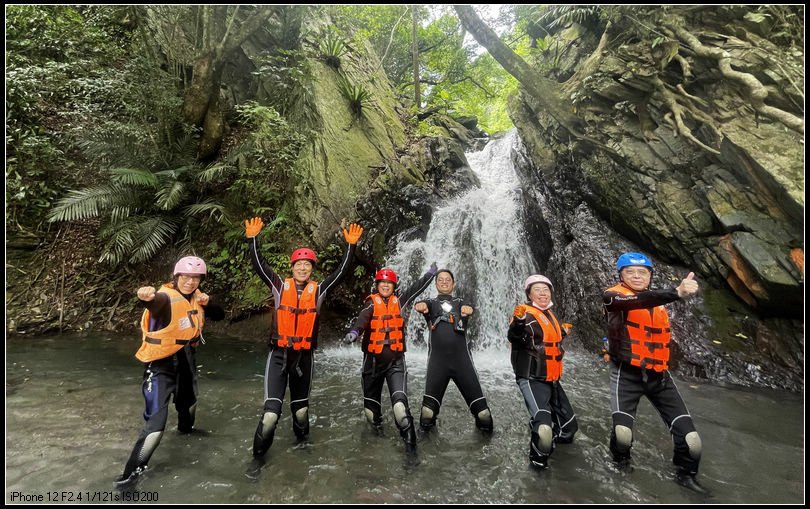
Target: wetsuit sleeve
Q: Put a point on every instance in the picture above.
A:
(617, 302)
(363, 319)
(264, 271)
(160, 310)
(213, 310)
(517, 332)
(338, 275)
(415, 289)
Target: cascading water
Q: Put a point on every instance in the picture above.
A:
(479, 236)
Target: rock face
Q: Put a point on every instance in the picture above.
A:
(732, 214)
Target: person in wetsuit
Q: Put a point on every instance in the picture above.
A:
(449, 356)
(537, 353)
(171, 329)
(298, 301)
(638, 344)
(382, 325)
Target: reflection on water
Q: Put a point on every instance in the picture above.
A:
(73, 409)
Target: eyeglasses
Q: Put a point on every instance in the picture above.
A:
(192, 277)
(444, 280)
(636, 272)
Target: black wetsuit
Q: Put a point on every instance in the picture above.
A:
(173, 376)
(285, 363)
(629, 383)
(449, 358)
(387, 365)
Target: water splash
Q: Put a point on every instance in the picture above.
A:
(480, 237)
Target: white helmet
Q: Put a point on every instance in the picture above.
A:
(537, 278)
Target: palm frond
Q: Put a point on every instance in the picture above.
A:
(214, 172)
(170, 195)
(89, 202)
(134, 177)
(209, 207)
(152, 235)
(120, 237)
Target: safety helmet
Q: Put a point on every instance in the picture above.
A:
(303, 253)
(536, 278)
(386, 274)
(190, 265)
(633, 259)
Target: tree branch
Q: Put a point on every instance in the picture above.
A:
(391, 38)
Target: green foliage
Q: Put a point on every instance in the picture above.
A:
(58, 75)
(331, 48)
(144, 207)
(357, 95)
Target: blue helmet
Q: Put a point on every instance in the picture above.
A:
(633, 259)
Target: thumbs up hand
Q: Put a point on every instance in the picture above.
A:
(689, 286)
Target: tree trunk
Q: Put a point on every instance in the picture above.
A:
(417, 91)
(222, 32)
(544, 91)
(198, 95)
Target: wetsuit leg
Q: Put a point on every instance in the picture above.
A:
(626, 389)
(466, 379)
(185, 401)
(301, 369)
(275, 385)
(667, 400)
(537, 396)
(159, 384)
(373, 379)
(397, 378)
(563, 416)
(436, 380)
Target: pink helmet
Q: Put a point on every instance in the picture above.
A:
(537, 278)
(190, 265)
(303, 254)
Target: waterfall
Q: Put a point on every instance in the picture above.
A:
(480, 237)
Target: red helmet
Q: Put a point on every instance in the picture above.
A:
(386, 274)
(303, 253)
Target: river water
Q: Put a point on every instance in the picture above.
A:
(73, 411)
(73, 407)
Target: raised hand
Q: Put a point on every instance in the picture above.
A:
(353, 233)
(201, 297)
(146, 293)
(689, 286)
(433, 268)
(253, 227)
(520, 311)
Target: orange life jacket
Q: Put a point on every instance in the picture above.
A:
(295, 319)
(552, 336)
(186, 325)
(386, 325)
(649, 333)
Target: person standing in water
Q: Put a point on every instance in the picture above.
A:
(298, 301)
(638, 344)
(171, 329)
(537, 353)
(449, 356)
(382, 327)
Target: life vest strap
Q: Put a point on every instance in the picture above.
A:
(156, 341)
(296, 311)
